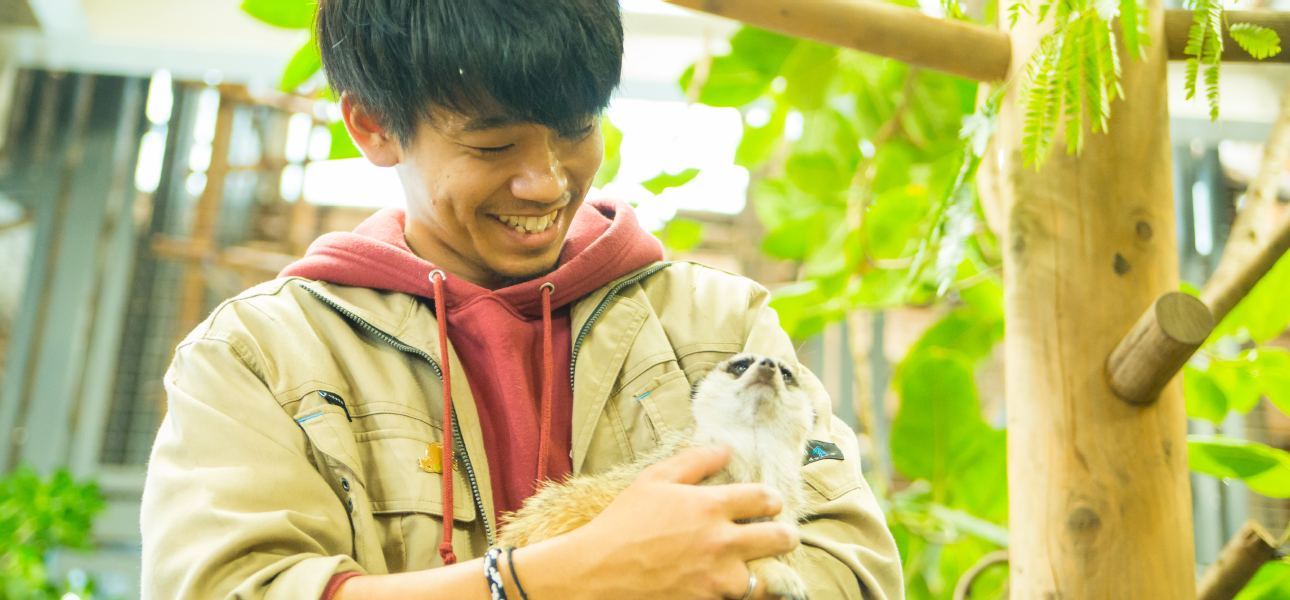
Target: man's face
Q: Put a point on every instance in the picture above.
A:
(490, 200)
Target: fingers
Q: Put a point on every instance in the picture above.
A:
(690, 466)
(748, 500)
(765, 539)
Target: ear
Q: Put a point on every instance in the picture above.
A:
(380, 147)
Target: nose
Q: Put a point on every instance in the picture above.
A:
(542, 178)
(766, 369)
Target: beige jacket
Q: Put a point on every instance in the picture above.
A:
(298, 412)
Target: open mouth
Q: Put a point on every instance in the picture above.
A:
(530, 224)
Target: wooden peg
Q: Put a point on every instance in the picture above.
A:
(1158, 346)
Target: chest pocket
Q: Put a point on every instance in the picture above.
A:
(379, 462)
(666, 400)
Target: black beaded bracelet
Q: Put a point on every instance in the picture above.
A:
(494, 577)
(510, 561)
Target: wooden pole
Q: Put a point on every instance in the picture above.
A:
(1158, 346)
(1100, 497)
(955, 47)
(1240, 559)
(881, 28)
(1227, 287)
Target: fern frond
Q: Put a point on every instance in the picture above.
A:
(1073, 68)
(1258, 40)
(1129, 27)
(1211, 89)
(1014, 13)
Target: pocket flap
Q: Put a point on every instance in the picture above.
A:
(386, 464)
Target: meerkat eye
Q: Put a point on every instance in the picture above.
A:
(788, 376)
(738, 367)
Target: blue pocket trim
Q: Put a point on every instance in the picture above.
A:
(302, 420)
(642, 396)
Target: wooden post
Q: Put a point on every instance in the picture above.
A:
(1100, 498)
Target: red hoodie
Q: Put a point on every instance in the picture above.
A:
(498, 334)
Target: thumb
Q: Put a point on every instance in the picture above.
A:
(690, 466)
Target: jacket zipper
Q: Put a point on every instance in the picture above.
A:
(600, 309)
(399, 345)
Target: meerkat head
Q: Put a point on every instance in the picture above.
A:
(750, 391)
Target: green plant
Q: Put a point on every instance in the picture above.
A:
(862, 173)
(300, 75)
(1072, 76)
(38, 516)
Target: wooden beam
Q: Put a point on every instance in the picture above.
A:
(1240, 559)
(1226, 288)
(959, 48)
(882, 28)
(1178, 23)
(1158, 346)
(1099, 494)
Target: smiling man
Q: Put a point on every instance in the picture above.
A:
(355, 428)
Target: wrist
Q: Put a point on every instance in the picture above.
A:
(548, 568)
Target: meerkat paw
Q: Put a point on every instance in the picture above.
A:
(780, 579)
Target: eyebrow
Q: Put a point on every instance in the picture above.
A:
(489, 122)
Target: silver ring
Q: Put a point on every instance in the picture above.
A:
(752, 586)
(546, 285)
(441, 275)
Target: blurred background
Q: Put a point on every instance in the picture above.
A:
(159, 156)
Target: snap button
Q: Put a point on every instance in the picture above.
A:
(344, 484)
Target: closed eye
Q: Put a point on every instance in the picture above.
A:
(493, 150)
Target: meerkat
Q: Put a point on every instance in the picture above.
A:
(752, 404)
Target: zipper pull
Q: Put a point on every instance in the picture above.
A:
(335, 400)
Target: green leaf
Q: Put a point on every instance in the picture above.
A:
(341, 144)
(1264, 469)
(682, 234)
(758, 144)
(761, 50)
(1263, 313)
(287, 14)
(796, 239)
(808, 73)
(1271, 369)
(1236, 379)
(970, 332)
(613, 139)
(662, 181)
(303, 65)
(938, 434)
(1271, 582)
(817, 173)
(1258, 40)
(1203, 397)
(731, 82)
(893, 221)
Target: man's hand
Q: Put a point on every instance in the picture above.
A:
(664, 537)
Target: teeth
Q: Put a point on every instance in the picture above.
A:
(529, 224)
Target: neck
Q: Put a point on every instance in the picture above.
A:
(429, 247)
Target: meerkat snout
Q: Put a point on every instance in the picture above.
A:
(748, 390)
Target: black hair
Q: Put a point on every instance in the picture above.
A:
(551, 62)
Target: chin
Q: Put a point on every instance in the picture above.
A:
(518, 274)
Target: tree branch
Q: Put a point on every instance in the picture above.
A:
(1240, 559)
(1255, 223)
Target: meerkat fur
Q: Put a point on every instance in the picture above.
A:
(752, 404)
